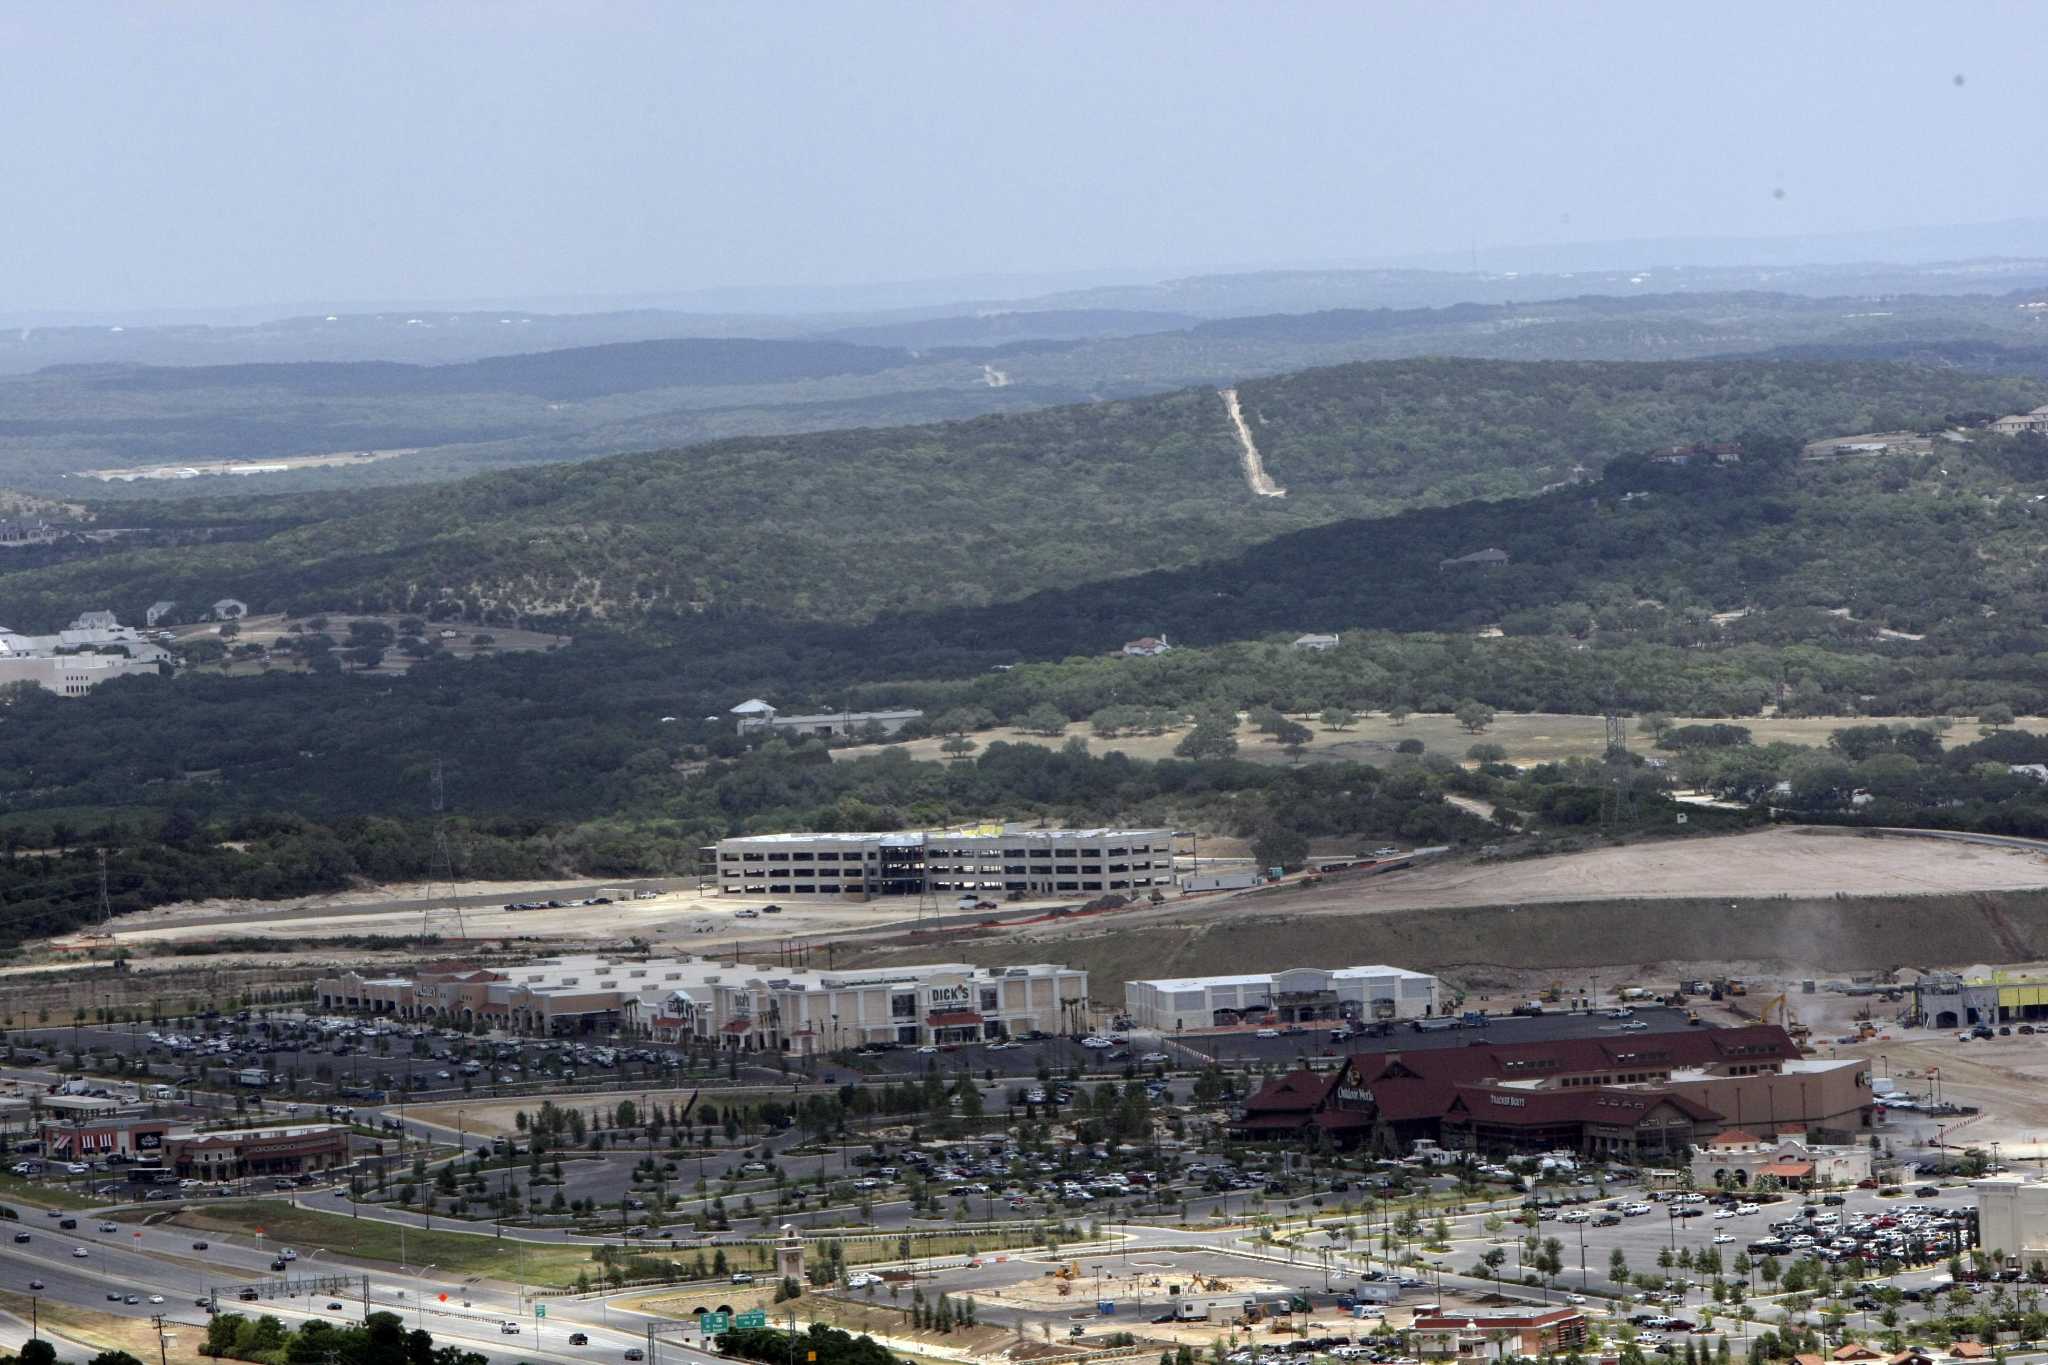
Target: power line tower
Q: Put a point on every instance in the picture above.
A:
(441, 873)
(1619, 770)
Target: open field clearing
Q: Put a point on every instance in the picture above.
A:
(676, 920)
(277, 464)
(1529, 737)
(1821, 900)
(1771, 862)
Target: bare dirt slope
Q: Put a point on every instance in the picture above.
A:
(1794, 935)
(1812, 900)
(1771, 862)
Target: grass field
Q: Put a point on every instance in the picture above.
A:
(16, 1190)
(1529, 737)
(110, 1331)
(453, 1253)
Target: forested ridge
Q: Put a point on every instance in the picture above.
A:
(848, 525)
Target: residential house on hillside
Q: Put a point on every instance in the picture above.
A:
(17, 532)
(94, 620)
(157, 612)
(1320, 644)
(230, 609)
(1488, 558)
(2035, 421)
(1147, 647)
(1720, 452)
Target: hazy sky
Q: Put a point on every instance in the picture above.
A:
(178, 155)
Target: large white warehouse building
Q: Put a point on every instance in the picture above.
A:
(1297, 995)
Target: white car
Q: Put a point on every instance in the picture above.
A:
(1724, 1213)
(1723, 1238)
(509, 1328)
(1743, 1210)
(927, 1050)
(156, 1298)
(862, 1280)
(80, 1252)
(1268, 1033)
(1575, 1298)
(1005, 1046)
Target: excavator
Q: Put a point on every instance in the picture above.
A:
(1781, 1005)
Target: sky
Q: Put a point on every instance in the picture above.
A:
(194, 155)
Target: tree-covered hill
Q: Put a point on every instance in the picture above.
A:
(845, 525)
(546, 406)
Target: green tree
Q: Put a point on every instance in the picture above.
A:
(1473, 716)
(1277, 845)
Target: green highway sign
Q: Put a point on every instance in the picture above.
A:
(757, 1318)
(540, 1310)
(714, 1322)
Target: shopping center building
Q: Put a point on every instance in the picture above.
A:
(740, 1005)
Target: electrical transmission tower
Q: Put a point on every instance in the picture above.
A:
(106, 905)
(441, 874)
(1619, 769)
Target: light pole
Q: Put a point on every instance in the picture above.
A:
(419, 1298)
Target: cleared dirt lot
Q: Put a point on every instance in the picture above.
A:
(1529, 737)
(1772, 862)
(1821, 901)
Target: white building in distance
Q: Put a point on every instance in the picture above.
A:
(758, 717)
(985, 861)
(1297, 995)
(91, 650)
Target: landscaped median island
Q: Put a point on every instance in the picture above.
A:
(546, 1264)
(565, 1265)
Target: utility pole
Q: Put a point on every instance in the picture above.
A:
(441, 874)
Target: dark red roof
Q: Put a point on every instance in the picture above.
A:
(1613, 1106)
(1297, 1092)
(1417, 1085)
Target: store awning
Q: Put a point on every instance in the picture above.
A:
(954, 1019)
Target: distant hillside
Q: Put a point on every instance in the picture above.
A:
(533, 407)
(997, 327)
(581, 372)
(842, 526)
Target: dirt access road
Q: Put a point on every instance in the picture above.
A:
(1255, 475)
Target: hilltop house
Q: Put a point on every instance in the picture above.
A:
(1488, 558)
(1146, 647)
(230, 609)
(157, 612)
(2035, 421)
(1720, 452)
(15, 533)
(1320, 644)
